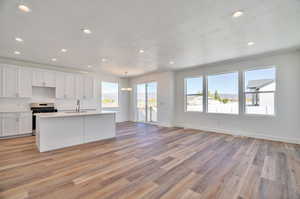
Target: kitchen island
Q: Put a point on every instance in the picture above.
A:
(63, 129)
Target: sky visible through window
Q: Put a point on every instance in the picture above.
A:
(268, 73)
(108, 87)
(194, 85)
(223, 83)
(227, 83)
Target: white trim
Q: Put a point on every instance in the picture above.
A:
(245, 134)
(118, 97)
(185, 93)
(238, 91)
(275, 92)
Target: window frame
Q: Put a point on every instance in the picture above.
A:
(118, 93)
(203, 92)
(238, 93)
(244, 92)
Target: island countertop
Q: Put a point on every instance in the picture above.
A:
(72, 114)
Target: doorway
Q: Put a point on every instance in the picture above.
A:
(147, 102)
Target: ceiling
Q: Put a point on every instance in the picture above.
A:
(189, 33)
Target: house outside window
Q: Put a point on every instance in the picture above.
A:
(260, 87)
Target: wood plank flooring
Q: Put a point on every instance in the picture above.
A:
(147, 161)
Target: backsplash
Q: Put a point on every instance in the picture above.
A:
(16, 104)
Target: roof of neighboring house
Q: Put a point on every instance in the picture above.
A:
(256, 84)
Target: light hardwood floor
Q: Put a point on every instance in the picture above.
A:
(147, 161)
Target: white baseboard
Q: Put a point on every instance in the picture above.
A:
(246, 134)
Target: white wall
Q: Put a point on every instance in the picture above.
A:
(165, 96)
(284, 126)
(68, 104)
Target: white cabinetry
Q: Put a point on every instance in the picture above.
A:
(79, 84)
(10, 82)
(88, 88)
(44, 78)
(25, 122)
(1, 125)
(69, 86)
(65, 87)
(74, 86)
(15, 82)
(60, 86)
(25, 83)
(12, 124)
(1, 81)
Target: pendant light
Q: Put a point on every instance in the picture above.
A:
(126, 88)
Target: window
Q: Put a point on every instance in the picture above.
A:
(109, 94)
(194, 94)
(222, 93)
(260, 86)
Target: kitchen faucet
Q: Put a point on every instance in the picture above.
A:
(78, 106)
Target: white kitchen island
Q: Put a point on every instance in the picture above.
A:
(63, 129)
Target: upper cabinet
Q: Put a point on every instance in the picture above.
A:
(69, 86)
(79, 84)
(65, 87)
(88, 88)
(25, 82)
(44, 78)
(15, 82)
(10, 82)
(60, 86)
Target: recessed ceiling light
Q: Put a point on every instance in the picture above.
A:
(24, 8)
(89, 66)
(237, 14)
(251, 43)
(141, 51)
(104, 60)
(171, 62)
(18, 39)
(53, 59)
(17, 52)
(86, 30)
(63, 50)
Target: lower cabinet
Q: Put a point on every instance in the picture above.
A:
(25, 123)
(15, 123)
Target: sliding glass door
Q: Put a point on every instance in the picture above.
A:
(147, 102)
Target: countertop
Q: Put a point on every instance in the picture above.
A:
(72, 114)
(14, 111)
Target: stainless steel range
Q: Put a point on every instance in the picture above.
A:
(40, 108)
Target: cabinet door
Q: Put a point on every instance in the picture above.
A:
(69, 86)
(10, 75)
(1, 81)
(79, 87)
(25, 123)
(10, 124)
(88, 88)
(49, 79)
(38, 78)
(1, 123)
(25, 83)
(60, 86)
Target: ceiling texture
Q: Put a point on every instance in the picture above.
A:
(188, 33)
